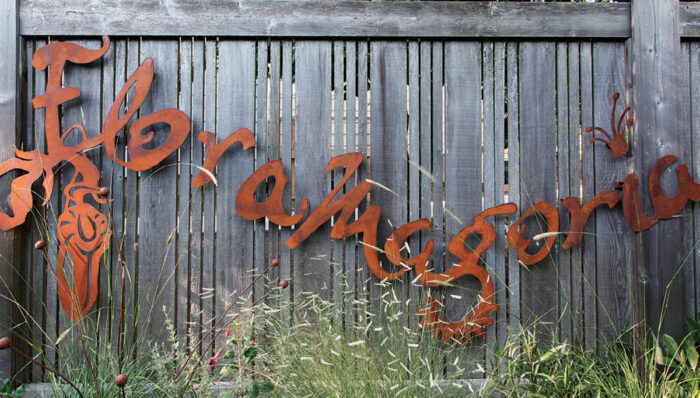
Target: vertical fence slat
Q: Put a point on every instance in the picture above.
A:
(489, 170)
(273, 148)
(426, 150)
(389, 143)
(209, 277)
(612, 232)
(588, 180)
(500, 275)
(363, 120)
(513, 181)
(437, 167)
(655, 58)
(574, 174)
(538, 152)
(351, 247)
(234, 235)
(337, 261)
(157, 204)
(686, 129)
(182, 221)
(414, 173)
(197, 195)
(260, 259)
(287, 100)
(563, 164)
(312, 130)
(463, 167)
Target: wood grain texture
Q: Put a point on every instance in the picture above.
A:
(157, 203)
(588, 180)
(657, 132)
(613, 236)
(689, 13)
(538, 174)
(234, 235)
(499, 164)
(513, 78)
(326, 19)
(312, 130)
(694, 56)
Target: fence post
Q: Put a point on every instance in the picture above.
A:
(9, 31)
(655, 54)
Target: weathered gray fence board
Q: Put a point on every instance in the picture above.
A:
(389, 147)
(463, 169)
(352, 248)
(514, 287)
(438, 158)
(273, 149)
(563, 164)
(537, 175)
(655, 133)
(337, 261)
(210, 123)
(489, 167)
(425, 141)
(689, 16)
(260, 258)
(499, 118)
(612, 232)
(363, 119)
(234, 235)
(287, 100)
(327, 19)
(573, 133)
(182, 218)
(196, 201)
(414, 174)
(312, 130)
(588, 180)
(686, 130)
(157, 202)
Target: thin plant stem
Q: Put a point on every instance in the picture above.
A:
(57, 373)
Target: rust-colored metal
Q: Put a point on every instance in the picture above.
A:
(478, 318)
(664, 206)
(83, 231)
(250, 209)
(580, 214)
(215, 151)
(616, 143)
(632, 207)
(520, 243)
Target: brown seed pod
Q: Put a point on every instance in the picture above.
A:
(283, 283)
(121, 380)
(5, 343)
(104, 191)
(40, 245)
(275, 262)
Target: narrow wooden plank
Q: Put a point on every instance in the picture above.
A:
(363, 120)
(112, 177)
(260, 255)
(9, 58)
(157, 226)
(500, 276)
(489, 168)
(351, 248)
(287, 100)
(312, 129)
(209, 282)
(425, 143)
(695, 134)
(337, 261)
(564, 155)
(513, 126)
(538, 152)
(236, 94)
(197, 310)
(612, 232)
(463, 171)
(656, 132)
(128, 58)
(318, 18)
(184, 178)
(273, 148)
(588, 180)
(687, 261)
(438, 159)
(574, 175)
(414, 172)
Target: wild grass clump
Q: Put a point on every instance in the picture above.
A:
(381, 353)
(526, 366)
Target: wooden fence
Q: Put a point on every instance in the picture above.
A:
(458, 107)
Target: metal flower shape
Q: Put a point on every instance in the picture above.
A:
(617, 144)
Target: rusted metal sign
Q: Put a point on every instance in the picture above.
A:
(84, 233)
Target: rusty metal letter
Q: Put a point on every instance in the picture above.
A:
(579, 214)
(215, 151)
(518, 241)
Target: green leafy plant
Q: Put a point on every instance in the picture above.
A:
(6, 390)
